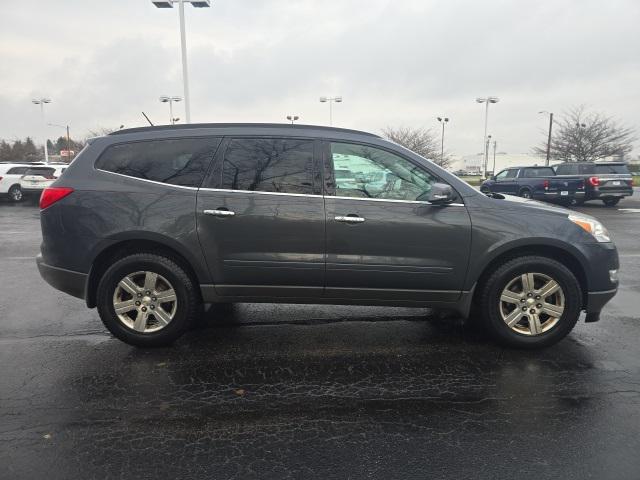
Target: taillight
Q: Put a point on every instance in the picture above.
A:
(52, 194)
(595, 181)
(630, 181)
(545, 184)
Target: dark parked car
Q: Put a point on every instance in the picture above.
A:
(147, 224)
(539, 183)
(606, 181)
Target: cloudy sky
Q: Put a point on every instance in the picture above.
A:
(396, 63)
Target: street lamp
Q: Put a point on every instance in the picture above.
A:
(443, 121)
(549, 137)
(486, 153)
(41, 102)
(68, 138)
(170, 100)
(330, 100)
(487, 101)
(292, 118)
(183, 43)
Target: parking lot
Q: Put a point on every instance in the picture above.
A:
(290, 391)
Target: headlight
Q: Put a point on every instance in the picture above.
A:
(591, 226)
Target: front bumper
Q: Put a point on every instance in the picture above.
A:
(596, 302)
(67, 281)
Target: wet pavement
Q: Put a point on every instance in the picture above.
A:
(285, 391)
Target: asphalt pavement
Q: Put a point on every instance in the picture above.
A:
(286, 391)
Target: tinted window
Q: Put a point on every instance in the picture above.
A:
(513, 173)
(177, 162)
(42, 172)
(539, 172)
(17, 170)
(269, 165)
(566, 169)
(375, 173)
(586, 169)
(616, 169)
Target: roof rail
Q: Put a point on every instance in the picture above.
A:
(232, 125)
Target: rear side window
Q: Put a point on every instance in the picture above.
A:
(41, 172)
(539, 172)
(612, 169)
(269, 165)
(17, 170)
(175, 161)
(567, 169)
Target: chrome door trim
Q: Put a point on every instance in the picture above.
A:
(219, 213)
(228, 190)
(146, 180)
(348, 219)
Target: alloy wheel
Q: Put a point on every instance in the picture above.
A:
(145, 302)
(16, 194)
(532, 303)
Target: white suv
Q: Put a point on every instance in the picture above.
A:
(37, 178)
(10, 174)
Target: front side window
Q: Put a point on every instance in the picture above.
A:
(513, 173)
(174, 161)
(502, 174)
(282, 165)
(367, 172)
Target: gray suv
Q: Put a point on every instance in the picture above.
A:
(148, 224)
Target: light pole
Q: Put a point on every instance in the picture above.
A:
(330, 100)
(487, 101)
(495, 145)
(183, 43)
(443, 121)
(41, 102)
(68, 138)
(170, 100)
(549, 137)
(292, 118)
(486, 155)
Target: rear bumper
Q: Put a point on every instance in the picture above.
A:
(67, 281)
(618, 193)
(558, 195)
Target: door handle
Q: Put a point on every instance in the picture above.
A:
(219, 213)
(349, 219)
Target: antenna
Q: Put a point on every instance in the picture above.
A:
(145, 116)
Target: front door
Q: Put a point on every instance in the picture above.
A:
(384, 240)
(261, 218)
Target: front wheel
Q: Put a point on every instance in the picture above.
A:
(15, 194)
(610, 202)
(530, 302)
(147, 300)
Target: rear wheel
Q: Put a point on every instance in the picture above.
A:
(525, 193)
(147, 300)
(531, 302)
(610, 202)
(15, 193)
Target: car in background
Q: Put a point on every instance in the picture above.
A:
(36, 179)
(606, 181)
(539, 183)
(10, 174)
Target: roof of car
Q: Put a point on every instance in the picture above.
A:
(191, 126)
(528, 166)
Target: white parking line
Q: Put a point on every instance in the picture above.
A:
(629, 210)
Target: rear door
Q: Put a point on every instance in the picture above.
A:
(384, 241)
(261, 218)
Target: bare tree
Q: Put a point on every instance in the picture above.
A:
(419, 140)
(581, 136)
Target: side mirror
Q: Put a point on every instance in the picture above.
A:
(440, 194)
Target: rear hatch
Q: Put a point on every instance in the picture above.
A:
(613, 179)
(38, 178)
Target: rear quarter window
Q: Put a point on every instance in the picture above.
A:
(173, 161)
(17, 170)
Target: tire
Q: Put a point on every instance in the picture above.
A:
(578, 203)
(522, 333)
(15, 194)
(610, 202)
(525, 193)
(151, 331)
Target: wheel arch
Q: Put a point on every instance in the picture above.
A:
(566, 257)
(119, 248)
